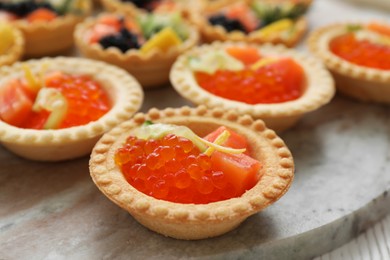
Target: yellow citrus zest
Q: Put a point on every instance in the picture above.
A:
(163, 40)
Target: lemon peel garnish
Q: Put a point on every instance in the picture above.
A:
(32, 81)
(159, 130)
(52, 100)
(263, 62)
(219, 140)
(215, 146)
(35, 82)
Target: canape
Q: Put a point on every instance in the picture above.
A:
(358, 55)
(253, 21)
(167, 200)
(270, 82)
(146, 47)
(56, 109)
(11, 44)
(47, 26)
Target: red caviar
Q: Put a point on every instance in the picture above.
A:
(361, 52)
(279, 81)
(172, 169)
(87, 101)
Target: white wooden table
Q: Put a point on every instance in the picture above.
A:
(374, 244)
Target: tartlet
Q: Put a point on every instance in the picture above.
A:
(50, 38)
(287, 33)
(195, 221)
(318, 86)
(358, 81)
(150, 69)
(123, 90)
(15, 51)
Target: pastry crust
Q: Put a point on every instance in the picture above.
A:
(195, 221)
(50, 38)
(68, 143)
(279, 116)
(361, 83)
(151, 70)
(16, 50)
(211, 33)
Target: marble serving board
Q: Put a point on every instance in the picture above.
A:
(342, 157)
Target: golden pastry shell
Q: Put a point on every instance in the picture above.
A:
(362, 83)
(195, 221)
(62, 144)
(16, 51)
(210, 33)
(151, 70)
(49, 38)
(279, 116)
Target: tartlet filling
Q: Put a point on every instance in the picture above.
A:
(52, 100)
(364, 45)
(263, 18)
(244, 74)
(172, 163)
(44, 11)
(146, 33)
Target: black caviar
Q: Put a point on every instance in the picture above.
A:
(124, 41)
(227, 23)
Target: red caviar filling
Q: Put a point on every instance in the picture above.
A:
(87, 101)
(280, 81)
(361, 52)
(174, 169)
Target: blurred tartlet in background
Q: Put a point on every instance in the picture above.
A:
(11, 44)
(253, 21)
(358, 55)
(47, 25)
(146, 45)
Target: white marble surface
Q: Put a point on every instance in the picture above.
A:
(342, 156)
